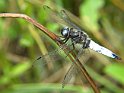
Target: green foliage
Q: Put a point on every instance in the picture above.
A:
(26, 41)
(43, 88)
(14, 72)
(90, 12)
(21, 43)
(2, 4)
(116, 71)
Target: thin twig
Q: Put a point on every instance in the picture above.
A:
(30, 20)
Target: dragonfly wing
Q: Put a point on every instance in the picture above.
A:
(66, 18)
(75, 20)
(62, 18)
(83, 55)
(53, 56)
(71, 72)
(55, 16)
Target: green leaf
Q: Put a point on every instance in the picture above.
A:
(12, 32)
(2, 5)
(90, 12)
(14, 72)
(44, 88)
(116, 71)
(26, 40)
(52, 27)
(19, 69)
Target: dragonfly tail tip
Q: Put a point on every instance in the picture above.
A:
(116, 57)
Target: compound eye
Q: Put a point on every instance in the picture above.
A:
(65, 32)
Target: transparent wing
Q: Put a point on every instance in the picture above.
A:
(55, 16)
(56, 56)
(53, 56)
(66, 18)
(83, 55)
(63, 18)
(75, 20)
(74, 70)
(71, 72)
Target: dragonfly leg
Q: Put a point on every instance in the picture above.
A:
(79, 53)
(73, 48)
(73, 43)
(70, 50)
(65, 40)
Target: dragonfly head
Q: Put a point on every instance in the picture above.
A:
(65, 32)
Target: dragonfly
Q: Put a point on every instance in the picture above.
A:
(70, 31)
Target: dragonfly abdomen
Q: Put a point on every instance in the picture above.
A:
(100, 49)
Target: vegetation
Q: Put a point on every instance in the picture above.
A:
(21, 43)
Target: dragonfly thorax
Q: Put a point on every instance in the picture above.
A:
(70, 32)
(77, 36)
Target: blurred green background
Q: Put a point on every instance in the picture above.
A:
(21, 43)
